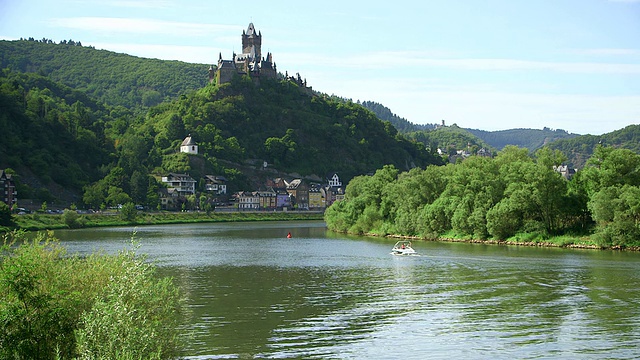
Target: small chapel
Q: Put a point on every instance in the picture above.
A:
(189, 146)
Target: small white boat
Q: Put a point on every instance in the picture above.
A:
(403, 248)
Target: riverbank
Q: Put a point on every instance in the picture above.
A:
(36, 222)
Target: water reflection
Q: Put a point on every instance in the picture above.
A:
(255, 294)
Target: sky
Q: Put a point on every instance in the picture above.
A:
(480, 64)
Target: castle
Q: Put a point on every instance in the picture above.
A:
(249, 62)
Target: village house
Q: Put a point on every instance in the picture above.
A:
(215, 184)
(9, 195)
(169, 199)
(248, 200)
(565, 171)
(268, 199)
(333, 191)
(316, 197)
(182, 183)
(299, 192)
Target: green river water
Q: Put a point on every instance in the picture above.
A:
(253, 293)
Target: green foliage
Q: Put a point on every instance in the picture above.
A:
(57, 306)
(512, 196)
(71, 218)
(128, 212)
(113, 78)
(51, 129)
(449, 139)
(6, 218)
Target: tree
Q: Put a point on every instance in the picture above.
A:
(116, 196)
(128, 212)
(94, 195)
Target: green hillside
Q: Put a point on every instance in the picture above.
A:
(109, 77)
(278, 123)
(531, 139)
(579, 149)
(450, 139)
(53, 136)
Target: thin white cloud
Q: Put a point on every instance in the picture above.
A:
(141, 26)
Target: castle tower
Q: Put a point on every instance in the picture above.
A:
(252, 42)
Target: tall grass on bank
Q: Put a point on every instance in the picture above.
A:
(34, 222)
(56, 306)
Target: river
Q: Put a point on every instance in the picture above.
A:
(253, 293)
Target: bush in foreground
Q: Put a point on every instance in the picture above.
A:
(99, 307)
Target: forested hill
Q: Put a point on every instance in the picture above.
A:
(112, 78)
(579, 149)
(278, 123)
(531, 139)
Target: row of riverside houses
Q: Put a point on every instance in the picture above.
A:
(279, 194)
(275, 194)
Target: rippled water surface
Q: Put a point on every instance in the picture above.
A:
(253, 293)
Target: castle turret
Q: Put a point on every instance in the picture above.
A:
(252, 42)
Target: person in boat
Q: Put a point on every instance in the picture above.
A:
(402, 246)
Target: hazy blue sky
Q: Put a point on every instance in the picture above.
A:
(485, 64)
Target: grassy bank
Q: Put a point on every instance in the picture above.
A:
(33, 222)
(524, 239)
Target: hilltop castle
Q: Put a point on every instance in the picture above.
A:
(249, 62)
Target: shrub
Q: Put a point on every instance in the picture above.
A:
(128, 212)
(58, 306)
(70, 218)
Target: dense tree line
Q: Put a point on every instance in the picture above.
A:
(512, 195)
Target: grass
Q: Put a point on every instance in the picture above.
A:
(34, 222)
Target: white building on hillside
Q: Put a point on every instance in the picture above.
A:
(189, 146)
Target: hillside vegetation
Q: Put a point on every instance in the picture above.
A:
(532, 139)
(579, 149)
